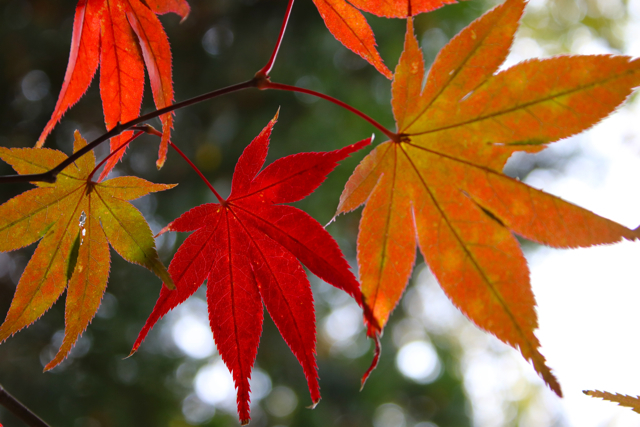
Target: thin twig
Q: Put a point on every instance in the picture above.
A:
(269, 66)
(18, 409)
(200, 174)
(260, 81)
(113, 153)
(267, 84)
(51, 175)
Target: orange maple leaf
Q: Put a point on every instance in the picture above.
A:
(399, 8)
(122, 36)
(77, 219)
(620, 399)
(442, 184)
(349, 26)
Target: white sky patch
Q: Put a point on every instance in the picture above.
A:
(588, 298)
(588, 308)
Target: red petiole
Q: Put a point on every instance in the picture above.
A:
(222, 201)
(113, 153)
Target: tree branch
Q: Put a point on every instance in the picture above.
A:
(265, 83)
(269, 66)
(260, 81)
(19, 410)
(51, 175)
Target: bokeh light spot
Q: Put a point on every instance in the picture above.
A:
(419, 361)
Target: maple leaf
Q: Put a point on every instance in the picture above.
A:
(76, 219)
(620, 399)
(399, 8)
(442, 185)
(246, 248)
(122, 36)
(349, 26)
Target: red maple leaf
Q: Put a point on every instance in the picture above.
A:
(122, 36)
(246, 248)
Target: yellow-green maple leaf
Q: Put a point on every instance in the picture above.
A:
(76, 219)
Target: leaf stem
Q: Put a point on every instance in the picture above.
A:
(260, 81)
(266, 84)
(267, 68)
(18, 409)
(113, 153)
(222, 201)
(50, 176)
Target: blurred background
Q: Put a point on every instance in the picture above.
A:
(437, 369)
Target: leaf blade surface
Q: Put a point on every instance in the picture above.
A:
(442, 184)
(120, 36)
(74, 251)
(249, 250)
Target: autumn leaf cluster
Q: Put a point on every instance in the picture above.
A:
(437, 184)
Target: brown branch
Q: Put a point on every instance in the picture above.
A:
(260, 81)
(51, 175)
(18, 409)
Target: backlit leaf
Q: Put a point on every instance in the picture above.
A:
(350, 27)
(249, 250)
(399, 8)
(122, 36)
(76, 219)
(441, 185)
(620, 399)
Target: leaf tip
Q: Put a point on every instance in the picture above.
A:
(60, 357)
(314, 404)
(135, 348)
(331, 220)
(50, 366)
(160, 162)
(360, 144)
(374, 362)
(164, 230)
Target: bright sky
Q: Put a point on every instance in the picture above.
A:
(588, 298)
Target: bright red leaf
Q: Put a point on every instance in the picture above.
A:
(249, 250)
(122, 36)
(76, 219)
(442, 184)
